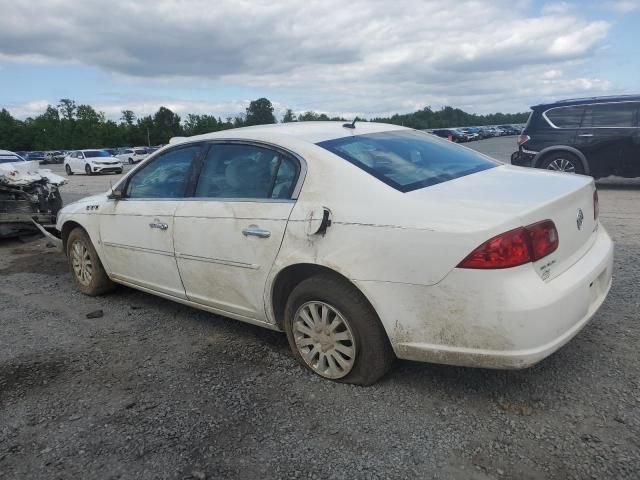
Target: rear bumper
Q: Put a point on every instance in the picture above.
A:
(522, 159)
(494, 319)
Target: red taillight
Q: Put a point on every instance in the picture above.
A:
(515, 247)
(544, 239)
(522, 139)
(596, 205)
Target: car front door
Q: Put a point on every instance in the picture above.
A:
(227, 235)
(137, 230)
(606, 137)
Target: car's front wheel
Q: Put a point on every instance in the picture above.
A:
(334, 331)
(67, 169)
(131, 161)
(562, 162)
(85, 265)
(87, 169)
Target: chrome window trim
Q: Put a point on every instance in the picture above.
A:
(210, 199)
(259, 143)
(553, 125)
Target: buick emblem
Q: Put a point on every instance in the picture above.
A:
(579, 219)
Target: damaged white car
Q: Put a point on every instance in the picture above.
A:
(28, 194)
(363, 242)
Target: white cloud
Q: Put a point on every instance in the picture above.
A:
(362, 56)
(624, 6)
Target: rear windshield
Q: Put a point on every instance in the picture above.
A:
(408, 160)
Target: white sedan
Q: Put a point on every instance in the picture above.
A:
(362, 242)
(91, 162)
(132, 155)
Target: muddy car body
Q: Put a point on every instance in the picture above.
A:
(27, 194)
(362, 242)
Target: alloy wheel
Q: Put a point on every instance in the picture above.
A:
(324, 339)
(562, 165)
(81, 261)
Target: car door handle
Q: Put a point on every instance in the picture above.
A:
(586, 135)
(158, 224)
(256, 232)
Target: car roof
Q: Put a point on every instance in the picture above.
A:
(312, 132)
(586, 100)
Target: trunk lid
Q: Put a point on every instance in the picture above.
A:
(494, 201)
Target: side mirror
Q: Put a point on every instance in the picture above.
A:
(116, 195)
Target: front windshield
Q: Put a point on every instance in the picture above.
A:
(96, 153)
(408, 159)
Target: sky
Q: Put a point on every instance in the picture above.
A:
(357, 57)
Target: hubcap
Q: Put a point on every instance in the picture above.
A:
(324, 339)
(562, 165)
(81, 261)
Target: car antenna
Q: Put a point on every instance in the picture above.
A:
(350, 125)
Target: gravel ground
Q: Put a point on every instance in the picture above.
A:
(154, 389)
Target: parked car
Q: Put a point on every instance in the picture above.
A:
(54, 156)
(509, 129)
(598, 136)
(35, 156)
(133, 155)
(455, 135)
(362, 242)
(91, 162)
(470, 133)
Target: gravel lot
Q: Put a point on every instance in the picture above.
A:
(154, 389)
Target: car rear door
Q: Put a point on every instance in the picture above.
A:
(228, 234)
(137, 231)
(606, 136)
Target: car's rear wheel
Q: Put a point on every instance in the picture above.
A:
(562, 162)
(85, 265)
(334, 331)
(67, 169)
(87, 169)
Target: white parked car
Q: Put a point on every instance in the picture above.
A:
(362, 242)
(132, 155)
(91, 162)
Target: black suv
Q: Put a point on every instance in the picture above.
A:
(597, 136)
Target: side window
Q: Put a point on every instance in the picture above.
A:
(565, 117)
(246, 171)
(610, 115)
(167, 176)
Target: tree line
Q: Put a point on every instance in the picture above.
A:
(69, 125)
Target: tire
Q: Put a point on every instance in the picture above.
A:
(562, 161)
(118, 172)
(87, 169)
(79, 246)
(67, 169)
(357, 320)
(131, 161)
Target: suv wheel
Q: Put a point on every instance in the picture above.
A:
(334, 332)
(67, 169)
(562, 162)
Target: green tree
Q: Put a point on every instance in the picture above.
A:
(67, 107)
(259, 112)
(289, 116)
(166, 124)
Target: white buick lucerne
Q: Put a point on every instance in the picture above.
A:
(363, 242)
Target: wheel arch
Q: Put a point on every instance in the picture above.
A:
(67, 227)
(539, 158)
(289, 277)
